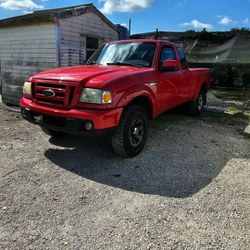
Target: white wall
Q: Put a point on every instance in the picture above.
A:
(73, 44)
(24, 51)
(31, 48)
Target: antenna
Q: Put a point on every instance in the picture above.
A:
(156, 34)
(129, 27)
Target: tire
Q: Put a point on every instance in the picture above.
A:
(195, 107)
(132, 132)
(52, 132)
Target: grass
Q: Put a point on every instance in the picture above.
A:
(239, 96)
(230, 117)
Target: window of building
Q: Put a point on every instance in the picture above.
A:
(92, 45)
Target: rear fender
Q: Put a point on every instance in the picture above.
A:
(202, 83)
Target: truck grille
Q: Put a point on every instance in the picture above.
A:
(59, 95)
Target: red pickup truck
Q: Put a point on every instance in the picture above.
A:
(121, 87)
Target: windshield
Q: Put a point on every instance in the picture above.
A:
(138, 54)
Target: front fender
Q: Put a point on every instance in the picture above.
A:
(140, 90)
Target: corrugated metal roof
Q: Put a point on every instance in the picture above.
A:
(51, 15)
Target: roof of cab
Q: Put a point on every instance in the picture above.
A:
(162, 42)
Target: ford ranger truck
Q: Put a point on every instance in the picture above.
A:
(122, 86)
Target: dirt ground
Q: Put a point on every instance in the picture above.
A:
(189, 188)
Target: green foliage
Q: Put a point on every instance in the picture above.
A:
(240, 30)
(228, 75)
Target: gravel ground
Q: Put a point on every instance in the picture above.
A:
(189, 189)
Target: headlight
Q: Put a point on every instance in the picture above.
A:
(27, 88)
(96, 96)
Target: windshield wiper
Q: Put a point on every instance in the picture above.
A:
(124, 64)
(92, 63)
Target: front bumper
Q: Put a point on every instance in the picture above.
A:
(71, 121)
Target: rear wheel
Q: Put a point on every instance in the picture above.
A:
(195, 107)
(131, 135)
(52, 132)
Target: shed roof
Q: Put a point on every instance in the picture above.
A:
(51, 15)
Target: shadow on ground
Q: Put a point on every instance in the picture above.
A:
(183, 155)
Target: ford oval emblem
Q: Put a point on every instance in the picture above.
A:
(49, 92)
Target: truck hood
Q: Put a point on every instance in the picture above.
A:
(97, 74)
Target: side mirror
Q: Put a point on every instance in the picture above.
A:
(170, 64)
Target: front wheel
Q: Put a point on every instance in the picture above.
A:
(131, 134)
(195, 107)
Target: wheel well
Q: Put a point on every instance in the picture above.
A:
(145, 103)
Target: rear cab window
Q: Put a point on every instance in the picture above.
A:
(183, 59)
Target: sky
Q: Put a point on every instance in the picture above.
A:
(147, 15)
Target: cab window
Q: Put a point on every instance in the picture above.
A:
(167, 53)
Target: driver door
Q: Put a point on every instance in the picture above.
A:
(169, 81)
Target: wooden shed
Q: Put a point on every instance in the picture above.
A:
(47, 39)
